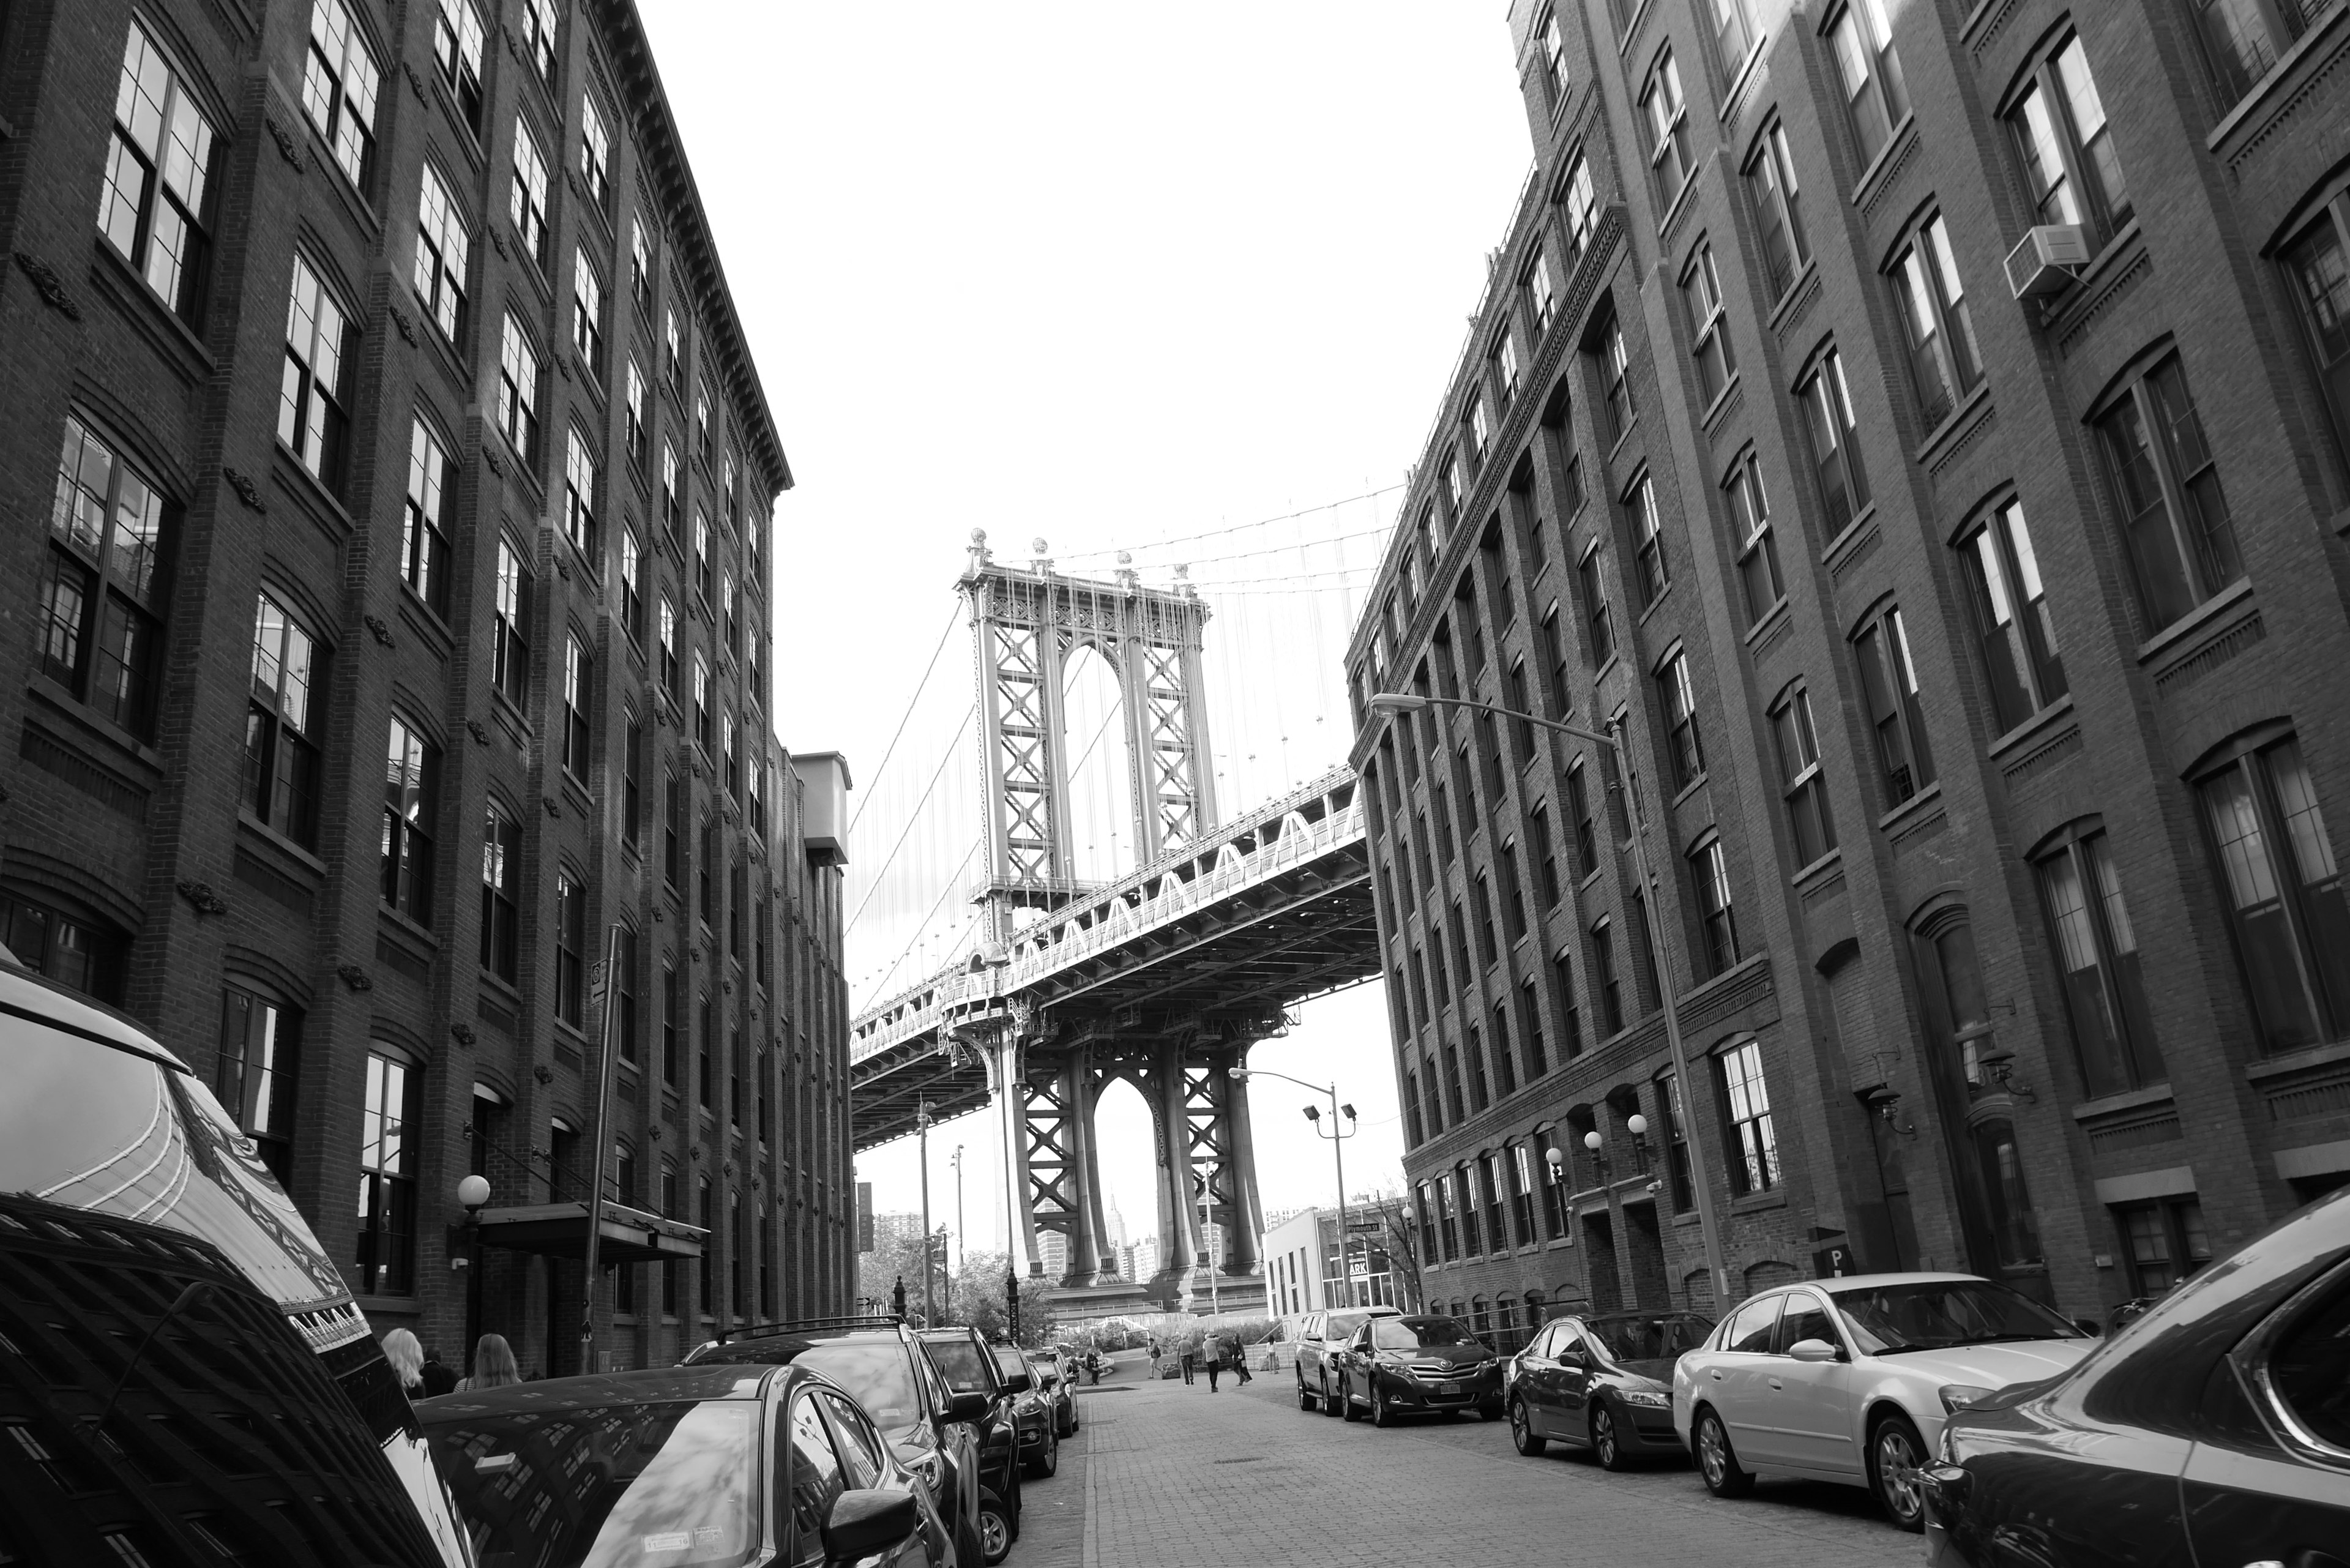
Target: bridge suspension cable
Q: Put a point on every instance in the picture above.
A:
(866, 797)
(1236, 528)
(913, 818)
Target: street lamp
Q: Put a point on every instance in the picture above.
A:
(1709, 1228)
(473, 1192)
(1338, 1134)
(922, 1131)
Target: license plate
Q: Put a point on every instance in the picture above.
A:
(1448, 1388)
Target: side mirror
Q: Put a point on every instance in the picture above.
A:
(866, 1523)
(1574, 1356)
(1017, 1383)
(1814, 1350)
(968, 1407)
(2090, 1326)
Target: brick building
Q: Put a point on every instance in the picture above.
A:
(395, 623)
(1977, 624)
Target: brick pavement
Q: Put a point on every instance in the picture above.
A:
(1160, 1474)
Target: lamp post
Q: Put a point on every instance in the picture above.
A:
(922, 1131)
(1338, 1134)
(473, 1192)
(1709, 1225)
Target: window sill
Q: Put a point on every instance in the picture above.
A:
(1818, 869)
(1880, 166)
(1733, 99)
(1783, 308)
(157, 320)
(1687, 790)
(406, 932)
(1915, 805)
(421, 618)
(1720, 404)
(1758, 1202)
(398, 1306)
(514, 718)
(2194, 620)
(1848, 537)
(566, 1030)
(2023, 735)
(2315, 39)
(1651, 608)
(1599, 676)
(147, 760)
(2109, 1105)
(1632, 28)
(310, 493)
(2299, 1060)
(1772, 620)
(504, 989)
(1631, 427)
(1679, 206)
(355, 201)
(577, 793)
(281, 853)
(1953, 421)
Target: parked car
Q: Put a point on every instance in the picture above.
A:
(1032, 1411)
(147, 1254)
(1397, 1366)
(1062, 1388)
(1851, 1379)
(666, 1465)
(1317, 1334)
(885, 1368)
(963, 1360)
(1603, 1383)
(2215, 1429)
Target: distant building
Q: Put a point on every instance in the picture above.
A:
(1301, 1266)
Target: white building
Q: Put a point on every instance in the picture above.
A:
(1300, 1259)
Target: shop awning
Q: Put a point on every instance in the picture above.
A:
(560, 1231)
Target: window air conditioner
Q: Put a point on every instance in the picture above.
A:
(2045, 263)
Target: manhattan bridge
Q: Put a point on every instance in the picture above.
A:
(1115, 914)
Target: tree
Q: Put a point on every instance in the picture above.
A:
(979, 1300)
(1397, 1235)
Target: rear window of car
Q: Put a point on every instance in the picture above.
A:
(1341, 1323)
(958, 1361)
(878, 1375)
(1749, 1331)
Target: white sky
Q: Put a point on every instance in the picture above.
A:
(1106, 274)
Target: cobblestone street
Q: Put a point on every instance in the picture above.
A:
(1160, 1474)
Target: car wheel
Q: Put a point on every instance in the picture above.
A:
(1382, 1413)
(1522, 1431)
(1717, 1461)
(995, 1530)
(1896, 1453)
(1048, 1461)
(1347, 1411)
(1305, 1395)
(970, 1549)
(1330, 1408)
(1606, 1444)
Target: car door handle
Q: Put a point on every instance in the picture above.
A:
(1776, 1383)
(1714, 1374)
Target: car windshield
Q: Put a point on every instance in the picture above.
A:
(959, 1363)
(651, 1486)
(1343, 1323)
(876, 1375)
(1648, 1337)
(1933, 1314)
(1418, 1333)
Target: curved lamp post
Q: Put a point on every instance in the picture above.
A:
(1709, 1227)
(1336, 1135)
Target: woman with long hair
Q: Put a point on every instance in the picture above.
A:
(407, 1358)
(494, 1364)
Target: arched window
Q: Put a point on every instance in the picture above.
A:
(2096, 955)
(260, 1049)
(385, 1263)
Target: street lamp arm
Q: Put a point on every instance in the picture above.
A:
(1411, 703)
(1245, 1073)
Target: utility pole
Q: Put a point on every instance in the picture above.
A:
(962, 1248)
(922, 1130)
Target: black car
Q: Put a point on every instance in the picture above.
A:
(2215, 1429)
(1395, 1366)
(963, 1360)
(881, 1364)
(716, 1466)
(1603, 1383)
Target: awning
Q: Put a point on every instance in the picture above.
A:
(560, 1231)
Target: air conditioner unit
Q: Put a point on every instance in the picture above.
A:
(2046, 260)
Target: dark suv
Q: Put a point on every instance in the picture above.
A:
(969, 1367)
(934, 1431)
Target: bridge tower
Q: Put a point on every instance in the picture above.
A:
(1048, 1072)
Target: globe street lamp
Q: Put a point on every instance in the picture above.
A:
(1392, 703)
(1336, 1135)
(472, 1193)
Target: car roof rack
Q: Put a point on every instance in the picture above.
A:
(808, 1324)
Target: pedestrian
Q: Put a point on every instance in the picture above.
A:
(407, 1358)
(494, 1364)
(1240, 1357)
(1154, 1361)
(1190, 1358)
(1212, 1351)
(437, 1379)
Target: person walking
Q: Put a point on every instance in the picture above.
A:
(1239, 1355)
(1213, 1351)
(1154, 1360)
(494, 1365)
(437, 1379)
(1190, 1358)
(407, 1358)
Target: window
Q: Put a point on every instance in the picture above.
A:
(106, 582)
(578, 691)
(155, 199)
(704, 1072)
(339, 78)
(570, 949)
(2284, 892)
(1447, 1226)
(281, 728)
(588, 314)
(1615, 381)
(632, 776)
(1648, 538)
(1505, 367)
(501, 869)
(527, 201)
(676, 352)
(633, 397)
(1770, 181)
(594, 154)
(2165, 485)
(518, 392)
(1595, 610)
(1646, 972)
(1709, 872)
(729, 624)
(704, 579)
(706, 1209)
(1603, 974)
(457, 38)
(1541, 295)
(1677, 1149)
(1905, 762)
(1587, 833)
(2012, 619)
(2165, 1243)
(1836, 451)
(706, 873)
(1481, 431)
(669, 1023)
(1487, 951)
(1876, 98)
(1550, 39)
(314, 417)
(1709, 324)
(387, 1212)
(1465, 1195)
(2067, 149)
(1497, 1225)
(1551, 648)
(703, 733)
(578, 492)
(1579, 205)
(260, 1043)
(443, 251)
(410, 783)
(672, 829)
(1680, 700)
(510, 650)
(2113, 1033)
(1802, 784)
(1746, 1107)
(1668, 117)
(1944, 363)
(538, 19)
(668, 661)
(632, 585)
(1751, 538)
(640, 266)
(73, 952)
(672, 503)
(702, 425)
(1552, 1188)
